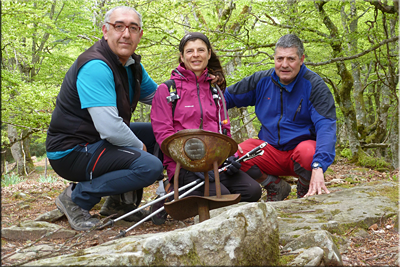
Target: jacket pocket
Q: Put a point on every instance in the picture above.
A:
(108, 158)
(95, 159)
(298, 109)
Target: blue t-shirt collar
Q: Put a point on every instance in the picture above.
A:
(289, 87)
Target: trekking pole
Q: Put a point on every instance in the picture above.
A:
(123, 232)
(111, 221)
(249, 155)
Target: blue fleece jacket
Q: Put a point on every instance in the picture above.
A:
(302, 110)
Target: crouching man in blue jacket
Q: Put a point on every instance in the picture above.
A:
(298, 117)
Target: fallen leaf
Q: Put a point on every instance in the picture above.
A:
(373, 227)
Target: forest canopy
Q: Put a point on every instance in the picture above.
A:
(352, 45)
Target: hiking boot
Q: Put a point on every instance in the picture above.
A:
(161, 217)
(302, 188)
(115, 206)
(278, 190)
(79, 218)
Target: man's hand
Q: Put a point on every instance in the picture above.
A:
(144, 147)
(218, 79)
(232, 165)
(317, 183)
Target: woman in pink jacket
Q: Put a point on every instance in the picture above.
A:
(196, 109)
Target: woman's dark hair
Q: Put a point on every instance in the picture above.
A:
(214, 65)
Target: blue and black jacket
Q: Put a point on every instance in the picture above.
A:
(302, 110)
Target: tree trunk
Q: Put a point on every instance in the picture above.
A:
(3, 162)
(345, 91)
(350, 25)
(394, 140)
(382, 108)
(236, 131)
(26, 150)
(342, 136)
(393, 84)
(250, 130)
(16, 150)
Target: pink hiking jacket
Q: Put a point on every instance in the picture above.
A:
(195, 105)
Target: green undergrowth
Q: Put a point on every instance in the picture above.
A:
(284, 260)
(47, 179)
(365, 160)
(11, 179)
(378, 164)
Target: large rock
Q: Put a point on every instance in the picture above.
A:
(321, 239)
(308, 257)
(32, 230)
(338, 212)
(32, 252)
(247, 234)
(244, 235)
(50, 216)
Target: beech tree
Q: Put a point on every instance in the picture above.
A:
(39, 39)
(352, 44)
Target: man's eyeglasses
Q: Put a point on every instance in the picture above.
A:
(120, 27)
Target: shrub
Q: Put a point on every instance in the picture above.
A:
(10, 179)
(346, 152)
(47, 179)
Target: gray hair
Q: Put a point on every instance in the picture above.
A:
(109, 12)
(291, 40)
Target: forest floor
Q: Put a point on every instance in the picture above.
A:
(378, 247)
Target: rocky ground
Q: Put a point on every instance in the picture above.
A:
(31, 198)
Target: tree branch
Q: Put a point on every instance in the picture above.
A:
(244, 124)
(394, 39)
(385, 8)
(274, 23)
(30, 132)
(247, 48)
(374, 145)
(62, 7)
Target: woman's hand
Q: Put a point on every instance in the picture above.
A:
(217, 78)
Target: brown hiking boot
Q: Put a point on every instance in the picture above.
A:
(79, 218)
(278, 190)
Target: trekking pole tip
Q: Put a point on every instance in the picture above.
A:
(110, 222)
(121, 234)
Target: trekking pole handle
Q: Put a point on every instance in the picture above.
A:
(252, 152)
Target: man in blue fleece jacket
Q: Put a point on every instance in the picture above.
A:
(298, 117)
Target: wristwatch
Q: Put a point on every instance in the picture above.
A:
(316, 165)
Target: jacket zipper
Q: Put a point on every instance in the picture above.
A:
(280, 118)
(94, 166)
(201, 108)
(298, 109)
(86, 151)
